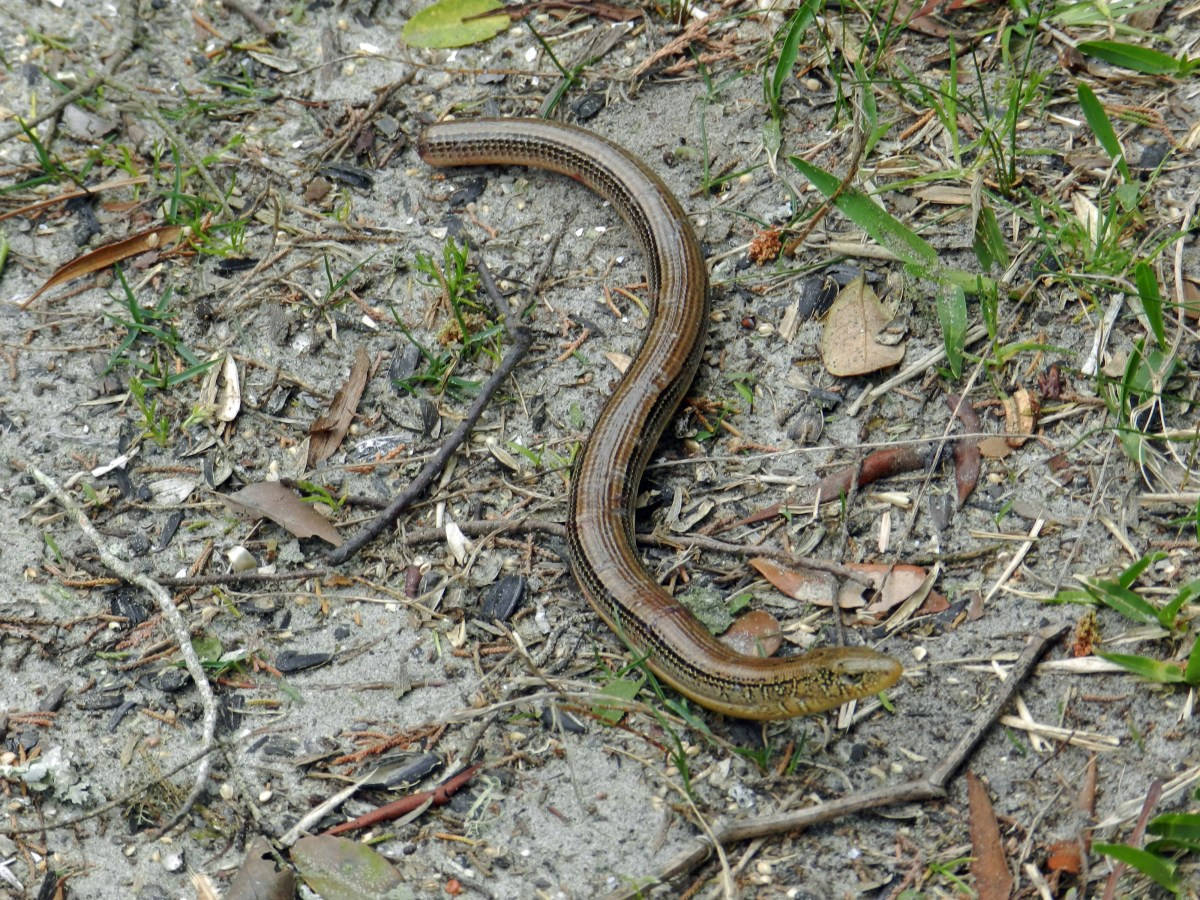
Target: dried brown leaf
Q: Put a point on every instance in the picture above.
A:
(260, 877)
(893, 585)
(799, 584)
(271, 500)
(848, 344)
(993, 881)
(757, 633)
(102, 257)
(327, 431)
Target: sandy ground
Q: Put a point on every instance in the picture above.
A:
(556, 812)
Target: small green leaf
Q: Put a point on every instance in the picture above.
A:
(1151, 669)
(1097, 118)
(1125, 601)
(952, 316)
(872, 218)
(1166, 615)
(455, 23)
(1160, 870)
(1134, 570)
(1139, 59)
(1147, 288)
(787, 55)
(621, 689)
(708, 606)
(989, 241)
(1071, 595)
(1175, 826)
(1191, 673)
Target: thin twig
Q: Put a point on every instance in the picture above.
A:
(522, 340)
(179, 630)
(931, 787)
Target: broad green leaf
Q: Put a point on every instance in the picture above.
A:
(872, 218)
(1097, 118)
(1139, 59)
(1147, 288)
(1160, 870)
(1151, 669)
(455, 23)
(952, 315)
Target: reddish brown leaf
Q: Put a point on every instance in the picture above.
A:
(877, 465)
(1064, 856)
(799, 584)
(757, 633)
(966, 450)
(893, 585)
(271, 500)
(93, 191)
(103, 257)
(992, 878)
(326, 433)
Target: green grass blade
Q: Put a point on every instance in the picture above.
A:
(1147, 288)
(989, 240)
(1166, 615)
(1125, 601)
(1097, 118)
(872, 218)
(788, 51)
(1160, 870)
(1143, 666)
(952, 316)
(1191, 672)
(1175, 826)
(1139, 59)
(1134, 571)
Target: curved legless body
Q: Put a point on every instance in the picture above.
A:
(604, 483)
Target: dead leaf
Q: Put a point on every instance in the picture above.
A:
(885, 463)
(326, 433)
(757, 633)
(337, 867)
(1064, 856)
(620, 361)
(799, 584)
(993, 881)
(893, 585)
(260, 877)
(966, 450)
(103, 257)
(995, 447)
(92, 191)
(271, 500)
(848, 344)
(1020, 416)
(222, 390)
